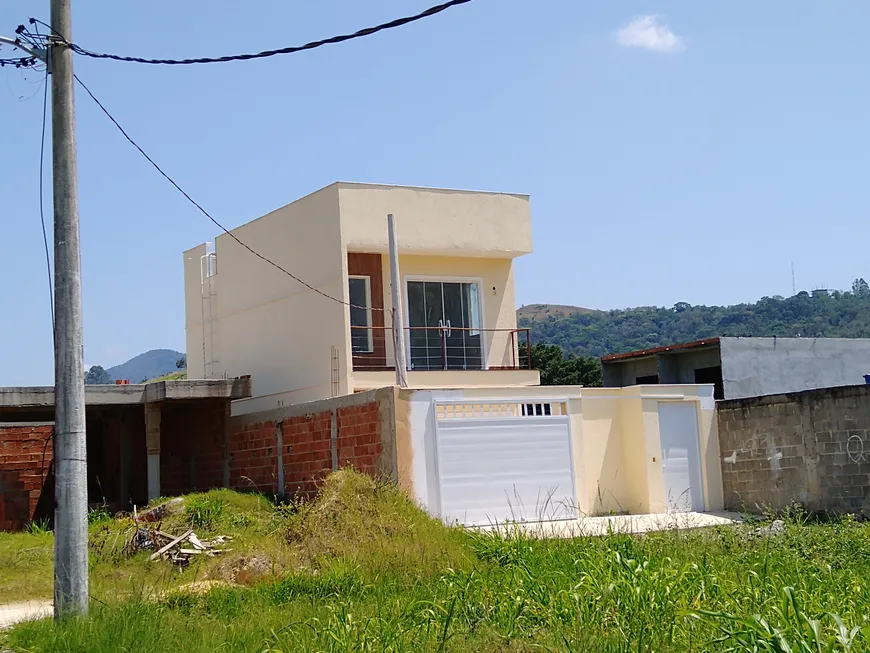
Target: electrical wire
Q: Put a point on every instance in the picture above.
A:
(208, 215)
(368, 31)
(42, 202)
(42, 198)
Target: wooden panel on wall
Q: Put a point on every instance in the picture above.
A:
(370, 265)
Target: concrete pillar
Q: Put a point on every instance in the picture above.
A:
(152, 445)
(125, 461)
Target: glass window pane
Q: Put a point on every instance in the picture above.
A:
(472, 307)
(360, 333)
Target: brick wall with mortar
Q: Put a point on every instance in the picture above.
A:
(191, 446)
(25, 457)
(310, 440)
(811, 447)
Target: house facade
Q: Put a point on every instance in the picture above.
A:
(456, 254)
(474, 438)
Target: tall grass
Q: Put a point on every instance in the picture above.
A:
(370, 572)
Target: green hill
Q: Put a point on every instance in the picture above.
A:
(598, 333)
(149, 365)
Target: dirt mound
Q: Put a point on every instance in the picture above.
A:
(373, 525)
(243, 569)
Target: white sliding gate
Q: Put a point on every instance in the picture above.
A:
(503, 460)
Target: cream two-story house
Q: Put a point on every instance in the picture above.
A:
(475, 438)
(456, 254)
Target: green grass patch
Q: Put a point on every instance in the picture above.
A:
(362, 569)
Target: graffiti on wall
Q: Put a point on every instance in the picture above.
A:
(855, 449)
(758, 445)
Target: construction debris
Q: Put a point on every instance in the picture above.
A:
(178, 549)
(160, 512)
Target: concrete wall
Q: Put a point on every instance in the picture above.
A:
(811, 447)
(266, 324)
(624, 373)
(436, 221)
(680, 367)
(761, 366)
(615, 440)
(288, 451)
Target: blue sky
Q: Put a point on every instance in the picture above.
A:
(674, 151)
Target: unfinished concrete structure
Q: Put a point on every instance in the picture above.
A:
(746, 367)
(144, 441)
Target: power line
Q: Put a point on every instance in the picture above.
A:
(368, 31)
(42, 200)
(42, 197)
(208, 215)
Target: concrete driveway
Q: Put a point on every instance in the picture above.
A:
(13, 613)
(597, 526)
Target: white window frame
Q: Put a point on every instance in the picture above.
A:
(478, 281)
(368, 285)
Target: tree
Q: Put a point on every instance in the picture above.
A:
(181, 363)
(97, 376)
(555, 369)
(860, 288)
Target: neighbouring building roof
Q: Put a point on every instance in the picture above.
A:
(698, 344)
(123, 395)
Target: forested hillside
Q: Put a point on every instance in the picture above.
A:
(596, 333)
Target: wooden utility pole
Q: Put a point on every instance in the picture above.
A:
(70, 444)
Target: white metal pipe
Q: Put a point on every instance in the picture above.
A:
(398, 315)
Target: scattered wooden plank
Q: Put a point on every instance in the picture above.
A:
(197, 544)
(173, 543)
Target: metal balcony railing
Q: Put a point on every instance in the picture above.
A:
(443, 348)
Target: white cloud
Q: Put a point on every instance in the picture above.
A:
(650, 33)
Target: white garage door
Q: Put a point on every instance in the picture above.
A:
(502, 462)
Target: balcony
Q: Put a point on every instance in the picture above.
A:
(444, 357)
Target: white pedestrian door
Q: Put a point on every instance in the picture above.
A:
(501, 462)
(681, 458)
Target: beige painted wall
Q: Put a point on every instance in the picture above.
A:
(193, 311)
(281, 333)
(615, 440)
(436, 221)
(447, 379)
(268, 325)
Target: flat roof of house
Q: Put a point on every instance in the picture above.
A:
(125, 395)
(362, 184)
(643, 353)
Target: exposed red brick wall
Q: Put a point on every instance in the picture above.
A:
(253, 460)
(191, 447)
(359, 437)
(23, 470)
(307, 450)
